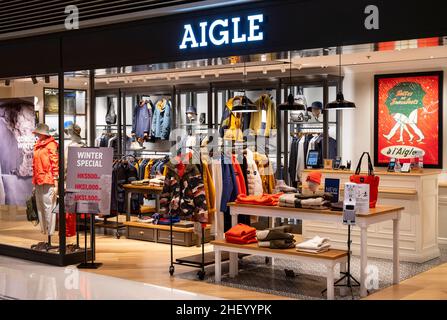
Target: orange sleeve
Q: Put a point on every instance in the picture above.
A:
(54, 159)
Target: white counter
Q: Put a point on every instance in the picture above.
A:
(417, 192)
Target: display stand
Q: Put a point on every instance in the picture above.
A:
(349, 279)
(91, 212)
(196, 261)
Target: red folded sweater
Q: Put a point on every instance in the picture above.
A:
(240, 230)
(238, 240)
(264, 200)
(245, 237)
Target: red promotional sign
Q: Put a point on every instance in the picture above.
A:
(408, 118)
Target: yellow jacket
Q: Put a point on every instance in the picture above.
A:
(210, 191)
(263, 103)
(231, 124)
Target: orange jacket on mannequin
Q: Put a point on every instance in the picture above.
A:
(45, 161)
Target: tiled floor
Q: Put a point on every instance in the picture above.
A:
(21, 279)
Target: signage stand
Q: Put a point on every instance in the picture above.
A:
(92, 264)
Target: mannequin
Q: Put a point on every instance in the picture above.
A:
(316, 112)
(45, 181)
(74, 132)
(314, 181)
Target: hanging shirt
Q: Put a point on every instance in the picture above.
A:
(301, 159)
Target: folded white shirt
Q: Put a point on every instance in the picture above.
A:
(323, 248)
(314, 244)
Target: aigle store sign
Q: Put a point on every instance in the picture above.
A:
(220, 32)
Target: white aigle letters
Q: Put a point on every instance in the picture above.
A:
(222, 35)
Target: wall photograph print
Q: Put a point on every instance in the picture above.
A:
(408, 118)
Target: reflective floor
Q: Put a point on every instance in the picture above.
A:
(21, 279)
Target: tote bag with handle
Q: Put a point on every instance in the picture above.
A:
(370, 179)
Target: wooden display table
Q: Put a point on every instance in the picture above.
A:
(329, 258)
(418, 192)
(161, 233)
(376, 215)
(131, 188)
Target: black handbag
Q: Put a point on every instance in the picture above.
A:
(111, 114)
(31, 210)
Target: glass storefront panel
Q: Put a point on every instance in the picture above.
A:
(28, 165)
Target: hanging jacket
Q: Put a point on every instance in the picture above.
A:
(229, 185)
(142, 119)
(184, 192)
(233, 124)
(210, 191)
(266, 172)
(239, 176)
(45, 161)
(263, 103)
(253, 176)
(161, 120)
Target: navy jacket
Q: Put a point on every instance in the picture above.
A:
(229, 185)
(142, 120)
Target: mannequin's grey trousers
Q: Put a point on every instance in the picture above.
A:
(45, 206)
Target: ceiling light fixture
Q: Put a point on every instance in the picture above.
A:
(217, 74)
(202, 75)
(244, 105)
(283, 68)
(340, 103)
(34, 80)
(290, 103)
(264, 70)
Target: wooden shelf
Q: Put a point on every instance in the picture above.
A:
(442, 184)
(142, 188)
(159, 227)
(332, 254)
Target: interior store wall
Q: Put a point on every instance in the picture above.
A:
(358, 125)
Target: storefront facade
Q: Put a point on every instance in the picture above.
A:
(252, 29)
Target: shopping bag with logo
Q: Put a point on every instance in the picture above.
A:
(370, 179)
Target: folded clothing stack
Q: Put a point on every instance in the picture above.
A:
(241, 234)
(140, 182)
(157, 182)
(145, 219)
(325, 195)
(314, 245)
(264, 200)
(275, 238)
(167, 221)
(281, 186)
(295, 200)
(158, 219)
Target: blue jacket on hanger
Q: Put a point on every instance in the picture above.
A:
(161, 120)
(142, 120)
(229, 186)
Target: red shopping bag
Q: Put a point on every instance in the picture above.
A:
(370, 179)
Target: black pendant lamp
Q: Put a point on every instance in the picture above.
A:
(245, 105)
(340, 103)
(290, 104)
